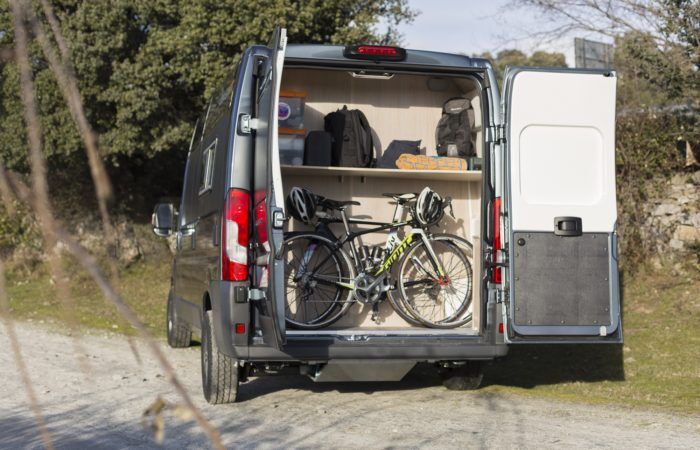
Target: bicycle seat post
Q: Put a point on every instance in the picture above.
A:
(346, 224)
(398, 211)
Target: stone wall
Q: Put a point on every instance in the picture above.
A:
(673, 222)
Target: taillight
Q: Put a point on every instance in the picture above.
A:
(261, 221)
(235, 234)
(497, 244)
(375, 52)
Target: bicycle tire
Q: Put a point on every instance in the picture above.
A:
(340, 301)
(459, 315)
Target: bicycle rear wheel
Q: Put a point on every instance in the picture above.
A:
(313, 267)
(437, 300)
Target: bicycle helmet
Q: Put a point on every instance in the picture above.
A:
(301, 204)
(429, 208)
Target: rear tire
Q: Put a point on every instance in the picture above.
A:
(462, 378)
(327, 303)
(219, 372)
(179, 333)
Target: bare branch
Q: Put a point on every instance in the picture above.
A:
(56, 30)
(7, 320)
(90, 265)
(42, 206)
(68, 84)
(69, 87)
(604, 17)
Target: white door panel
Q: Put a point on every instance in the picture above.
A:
(560, 199)
(562, 150)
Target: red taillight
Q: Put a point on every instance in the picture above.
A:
(375, 52)
(235, 234)
(261, 221)
(240, 328)
(497, 244)
(500, 328)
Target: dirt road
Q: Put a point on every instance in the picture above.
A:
(104, 411)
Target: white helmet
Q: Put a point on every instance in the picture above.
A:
(429, 208)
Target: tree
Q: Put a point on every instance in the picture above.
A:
(511, 57)
(656, 40)
(146, 68)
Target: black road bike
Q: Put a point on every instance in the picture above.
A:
(426, 277)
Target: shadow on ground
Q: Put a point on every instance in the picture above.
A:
(422, 376)
(528, 366)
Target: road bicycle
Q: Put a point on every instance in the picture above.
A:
(427, 277)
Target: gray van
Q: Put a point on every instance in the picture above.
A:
(540, 213)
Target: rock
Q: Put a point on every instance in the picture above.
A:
(695, 177)
(129, 250)
(172, 243)
(687, 233)
(694, 220)
(666, 209)
(676, 244)
(679, 179)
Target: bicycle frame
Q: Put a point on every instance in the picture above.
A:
(393, 249)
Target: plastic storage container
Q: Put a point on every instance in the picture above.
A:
(291, 147)
(290, 112)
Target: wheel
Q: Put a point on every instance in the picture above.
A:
(436, 300)
(219, 372)
(179, 334)
(462, 378)
(312, 268)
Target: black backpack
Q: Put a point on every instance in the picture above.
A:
(453, 132)
(352, 144)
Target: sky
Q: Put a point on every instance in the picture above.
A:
(476, 26)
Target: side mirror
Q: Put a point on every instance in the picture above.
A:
(163, 219)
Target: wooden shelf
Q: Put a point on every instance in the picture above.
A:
(451, 175)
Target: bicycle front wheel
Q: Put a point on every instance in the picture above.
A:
(437, 300)
(313, 268)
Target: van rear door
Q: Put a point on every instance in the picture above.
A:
(268, 196)
(560, 206)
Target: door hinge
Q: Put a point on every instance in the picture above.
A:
(255, 295)
(496, 134)
(246, 124)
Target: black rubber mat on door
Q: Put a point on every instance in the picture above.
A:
(561, 280)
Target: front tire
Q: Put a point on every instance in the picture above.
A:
(179, 334)
(219, 372)
(462, 378)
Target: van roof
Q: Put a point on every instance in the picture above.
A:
(330, 53)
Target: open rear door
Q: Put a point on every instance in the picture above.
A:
(561, 212)
(268, 197)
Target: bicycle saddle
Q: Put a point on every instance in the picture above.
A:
(336, 204)
(401, 198)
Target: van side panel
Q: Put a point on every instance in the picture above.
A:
(229, 300)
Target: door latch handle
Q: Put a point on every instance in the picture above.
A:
(568, 226)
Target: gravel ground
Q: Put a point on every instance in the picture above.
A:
(103, 410)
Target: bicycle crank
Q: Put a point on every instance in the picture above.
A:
(368, 289)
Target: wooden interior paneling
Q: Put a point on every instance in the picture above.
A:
(466, 202)
(399, 108)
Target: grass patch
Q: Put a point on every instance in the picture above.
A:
(658, 365)
(144, 286)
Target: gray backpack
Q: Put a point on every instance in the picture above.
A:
(453, 132)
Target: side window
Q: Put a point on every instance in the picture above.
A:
(221, 101)
(207, 168)
(197, 134)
